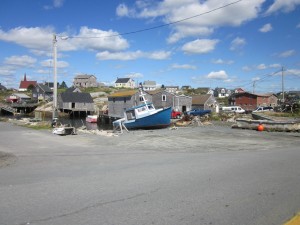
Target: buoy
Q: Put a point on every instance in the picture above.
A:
(260, 127)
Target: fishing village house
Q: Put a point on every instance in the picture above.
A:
(172, 89)
(163, 99)
(18, 97)
(205, 102)
(75, 103)
(119, 101)
(24, 84)
(249, 101)
(149, 85)
(124, 83)
(85, 81)
(41, 92)
(222, 92)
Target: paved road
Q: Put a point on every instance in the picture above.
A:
(206, 175)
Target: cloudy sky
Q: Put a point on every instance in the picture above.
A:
(201, 43)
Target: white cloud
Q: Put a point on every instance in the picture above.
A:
(183, 66)
(134, 75)
(261, 66)
(158, 55)
(221, 61)
(287, 53)
(266, 28)
(49, 63)
(199, 46)
(122, 10)
(293, 72)
(39, 40)
(283, 5)
(6, 71)
(237, 44)
(298, 26)
(246, 68)
(275, 65)
(255, 79)
(205, 16)
(20, 61)
(56, 4)
(218, 75)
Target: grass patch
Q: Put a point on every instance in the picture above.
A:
(38, 126)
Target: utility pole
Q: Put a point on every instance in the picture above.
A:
(282, 83)
(55, 112)
(253, 87)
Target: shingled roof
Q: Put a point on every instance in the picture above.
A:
(76, 97)
(122, 80)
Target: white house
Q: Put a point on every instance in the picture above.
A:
(125, 83)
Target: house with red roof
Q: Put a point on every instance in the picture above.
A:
(24, 84)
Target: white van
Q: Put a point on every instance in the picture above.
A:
(236, 109)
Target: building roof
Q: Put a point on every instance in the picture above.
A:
(83, 76)
(25, 84)
(21, 95)
(73, 89)
(76, 97)
(123, 94)
(122, 80)
(45, 88)
(200, 99)
(258, 95)
(149, 82)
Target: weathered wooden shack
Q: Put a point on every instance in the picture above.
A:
(119, 101)
(206, 101)
(72, 102)
(163, 98)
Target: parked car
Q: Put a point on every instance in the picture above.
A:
(198, 112)
(235, 109)
(176, 114)
(264, 109)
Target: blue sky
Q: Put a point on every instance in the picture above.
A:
(201, 43)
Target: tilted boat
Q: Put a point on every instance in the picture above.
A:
(145, 116)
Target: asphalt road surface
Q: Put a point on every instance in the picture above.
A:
(207, 175)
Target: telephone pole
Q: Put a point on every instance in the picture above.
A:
(282, 83)
(253, 87)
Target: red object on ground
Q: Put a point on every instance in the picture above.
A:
(260, 127)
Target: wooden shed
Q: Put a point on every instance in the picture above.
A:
(75, 102)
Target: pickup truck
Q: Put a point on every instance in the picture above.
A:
(175, 114)
(198, 112)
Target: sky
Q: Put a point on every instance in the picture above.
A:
(249, 44)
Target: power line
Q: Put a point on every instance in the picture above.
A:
(160, 26)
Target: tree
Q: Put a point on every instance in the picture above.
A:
(63, 85)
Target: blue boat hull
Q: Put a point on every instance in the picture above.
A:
(160, 119)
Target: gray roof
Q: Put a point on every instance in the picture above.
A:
(149, 82)
(76, 97)
(21, 95)
(45, 88)
(122, 80)
(83, 76)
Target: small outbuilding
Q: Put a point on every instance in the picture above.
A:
(75, 102)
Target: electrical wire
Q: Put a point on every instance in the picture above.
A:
(159, 26)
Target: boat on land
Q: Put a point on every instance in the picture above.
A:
(91, 118)
(144, 116)
(64, 130)
(269, 125)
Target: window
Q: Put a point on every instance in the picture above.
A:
(164, 98)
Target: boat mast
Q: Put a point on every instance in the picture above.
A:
(142, 95)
